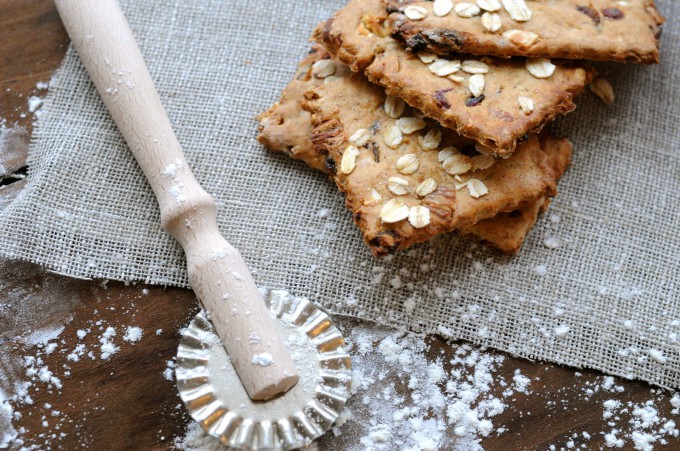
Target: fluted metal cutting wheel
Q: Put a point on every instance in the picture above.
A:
(216, 399)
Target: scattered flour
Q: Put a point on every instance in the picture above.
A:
(264, 359)
(14, 385)
(551, 243)
(403, 399)
(32, 332)
(562, 329)
(177, 189)
(169, 371)
(658, 355)
(396, 282)
(521, 382)
(170, 170)
(541, 270)
(107, 347)
(177, 192)
(31, 322)
(197, 440)
(630, 425)
(637, 425)
(34, 103)
(41, 337)
(406, 399)
(133, 334)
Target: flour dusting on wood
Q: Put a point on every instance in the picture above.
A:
(406, 397)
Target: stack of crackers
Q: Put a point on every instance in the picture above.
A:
(429, 115)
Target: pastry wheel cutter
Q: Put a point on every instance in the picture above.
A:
(282, 375)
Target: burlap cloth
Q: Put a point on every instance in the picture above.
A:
(596, 284)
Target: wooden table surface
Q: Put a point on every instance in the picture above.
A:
(125, 402)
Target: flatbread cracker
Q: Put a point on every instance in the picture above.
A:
(505, 232)
(400, 193)
(496, 102)
(604, 30)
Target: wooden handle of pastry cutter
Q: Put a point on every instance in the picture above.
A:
(217, 272)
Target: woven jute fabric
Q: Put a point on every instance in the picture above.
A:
(596, 284)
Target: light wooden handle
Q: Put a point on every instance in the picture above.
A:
(217, 272)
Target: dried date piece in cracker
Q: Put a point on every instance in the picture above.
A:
(605, 30)
(411, 179)
(480, 98)
(505, 231)
(285, 126)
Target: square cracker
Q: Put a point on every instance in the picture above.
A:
(605, 30)
(286, 127)
(350, 104)
(358, 37)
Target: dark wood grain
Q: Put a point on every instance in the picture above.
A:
(32, 44)
(120, 403)
(125, 402)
